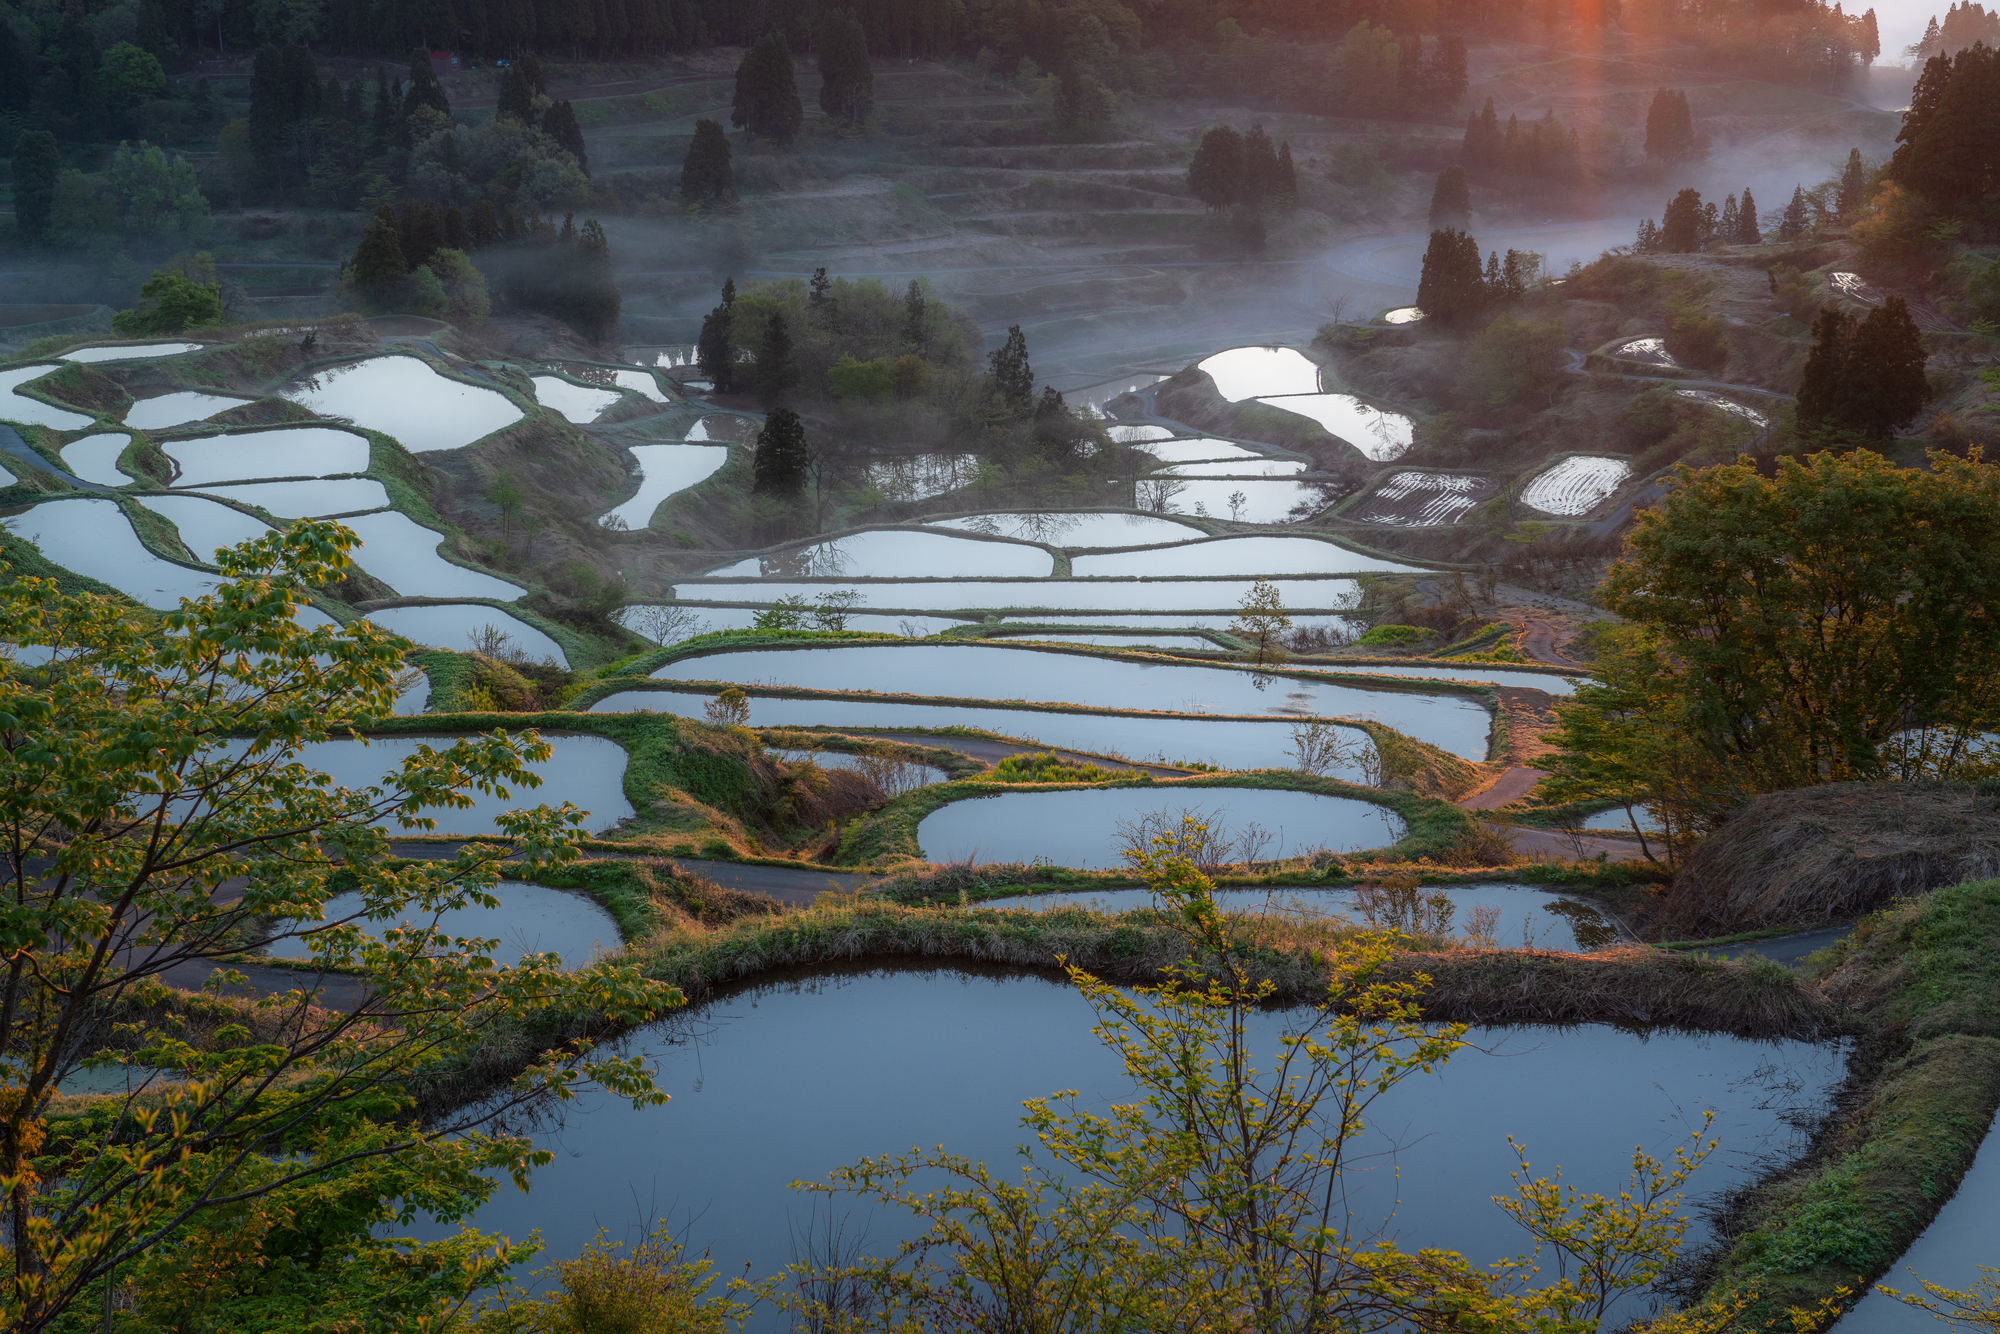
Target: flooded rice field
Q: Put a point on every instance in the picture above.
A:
(1236, 468)
(893, 552)
(1380, 435)
(1238, 556)
(155, 414)
(403, 554)
(94, 458)
(1082, 829)
(1575, 486)
(1196, 449)
(16, 406)
(206, 525)
(951, 1054)
(1075, 529)
(286, 451)
(1260, 372)
(577, 403)
(94, 538)
(1723, 404)
(530, 919)
(663, 470)
(1253, 501)
(1453, 722)
(403, 397)
(921, 476)
(1412, 499)
(466, 625)
(893, 776)
(722, 428)
(998, 595)
(136, 352)
(307, 499)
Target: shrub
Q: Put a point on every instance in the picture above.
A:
(1393, 636)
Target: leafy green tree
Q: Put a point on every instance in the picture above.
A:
(129, 77)
(1013, 377)
(846, 79)
(36, 167)
(1451, 199)
(1215, 174)
(1670, 134)
(706, 173)
(1821, 625)
(783, 459)
(767, 91)
(777, 368)
(1261, 620)
(1452, 289)
(1512, 360)
(170, 303)
(156, 192)
(155, 833)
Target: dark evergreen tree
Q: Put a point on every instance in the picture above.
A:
(1886, 364)
(1853, 185)
(767, 91)
(1648, 241)
(1451, 199)
(784, 462)
(559, 123)
(846, 80)
(1727, 224)
(821, 305)
(1825, 397)
(422, 232)
(17, 74)
(456, 235)
(715, 352)
(777, 368)
(1444, 77)
(1260, 166)
(706, 172)
(382, 120)
(424, 89)
(1286, 191)
(594, 303)
(482, 228)
(36, 167)
(517, 99)
(1215, 174)
(530, 66)
(1484, 149)
(1793, 222)
(1681, 225)
(1955, 157)
(1080, 100)
(916, 319)
(1749, 231)
(1669, 127)
(1013, 377)
(1452, 289)
(379, 266)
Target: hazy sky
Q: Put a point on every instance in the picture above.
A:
(1901, 23)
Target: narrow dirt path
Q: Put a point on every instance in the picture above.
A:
(1541, 641)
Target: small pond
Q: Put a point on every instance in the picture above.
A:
(136, 352)
(921, 476)
(93, 538)
(289, 451)
(893, 776)
(789, 1079)
(1079, 828)
(896, 553)
(577, 403)
(156, 414)
(1576, 485)
(1380, 435)
(403, 554)
(663, 470)
(207, 525)
(311, 499)
(1059, 529)
(1521, 918)
(1255, 372)
(587, 770)
(18, 407)
(94, 458)
(1110, 595)
(531, 919)
(1246, 501)
(454, 626)
(403, 397)
(1236, 468)
(1238, 555)
(1036, 676)
(1191, 451)
(1171, 741)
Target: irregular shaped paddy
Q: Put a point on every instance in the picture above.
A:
(1950, 1252)
(1260, 502)
(895, 552)
(708, 620)
(1059, 529)
(1094, 398)
(1232, 745)
(1254, 372)
(1545, 681)
(639, 382)
(1053, 594)
(1723, 404)
(1193, 450)
(156, 414)
(530, 919)
(1079, 828)
(94, 458)
(1036, 676)
(93, 538)
(18, 407)
(1576, 485)
(1237, 468)
(722, 426)
(1139, 640)
(1402, 315)
(893, 776)
(921, 476)
(1410, 499)
(405, 398)
(1132, 435)
(663, 470)
(1238, 555)
(7, 478)
(313, 499)
(137, 352)
(206, 525)
(1653, 351)
(575, 402)
(403, 554)
(286, 451)
(454, 626)
(1380, 435)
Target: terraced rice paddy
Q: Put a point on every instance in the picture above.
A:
(307, 499)
(1022, 595)
(1196, 449)
(1237, 468)
(403, 554)
(1413, 499)
(921, 476)
(575, 402)
(403, 397)
(1260, 372)
(156, 414)
(16, 406)
(1076, 529)
(1237, 556)
(206, 525)
(889, 552)
(1652, 351)
(529, 919)
(459, 626)
(664, 470)
(94, 458)
(1379, 434)
(286, 451)
(1576, 485)
(134, 352)
(93, 538)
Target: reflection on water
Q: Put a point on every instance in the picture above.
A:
(895, 553)
(1378, 434)
(1076, 529)
(1254, 372)
(530, 919)
(894, 776)
(921, 476)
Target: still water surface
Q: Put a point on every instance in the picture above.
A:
(530, 919)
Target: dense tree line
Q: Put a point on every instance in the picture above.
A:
(1231, 169)
(1544, 150)
(1863, 377)
(1964, 25)
(1454, 290)
(1948, 149)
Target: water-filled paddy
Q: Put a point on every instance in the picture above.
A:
(1079, 828)
(1409, 499)
(1037, 676)
(18, 407)
(94, 458)
(1109, 595)
(1196, 450)
(1193, 620)
(403, 397)
(719, 427)
(1184, 641)
(1576, 485)
(403, 554)
(893, 553)
(770, 1085)
(288, 451)
(892, 775)
(1230, 745)
(530, 919)
(93, 538)
(1132, 435)
(308, 499)
(1522, 918)
(454, 625)
(1380, 435)
(7, 478)
(137, 352)
(1402, 315)
(1548, 681)
(1236, 468)
(709, 620)
(1255, 372)
(1950, 1252)
(921, 476)
(1076, 529)
(577, 403)
(207, 525)
(154, 414)
(1238, 555)
(1650, 350)
(1093, 398)
(663, 470)
(1260, 501)
(1617, 820)
(1724, 404)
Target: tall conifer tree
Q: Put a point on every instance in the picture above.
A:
(706, 171)
(846, 81)
(767, 91)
